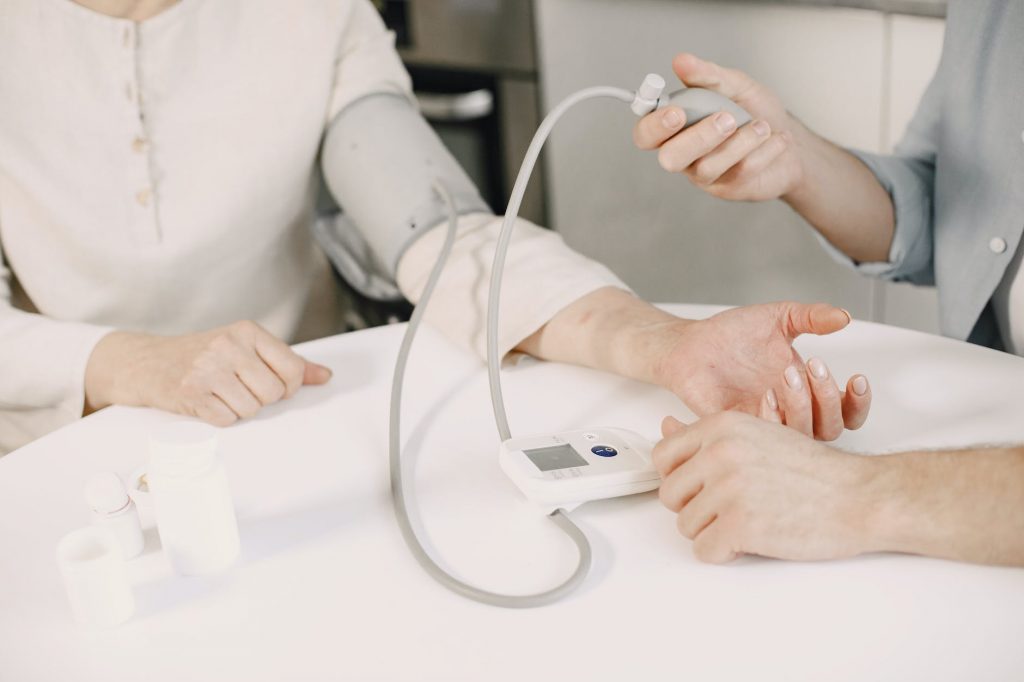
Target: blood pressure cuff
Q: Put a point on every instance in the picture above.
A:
(380, 159)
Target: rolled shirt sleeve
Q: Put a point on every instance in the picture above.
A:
(542, 276)
(42, 369)
(367, 62)
(908, 175)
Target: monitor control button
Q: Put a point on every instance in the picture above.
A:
(604, 451)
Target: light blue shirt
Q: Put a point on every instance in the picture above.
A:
(957, 176)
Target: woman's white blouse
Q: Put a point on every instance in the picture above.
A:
(160, 177)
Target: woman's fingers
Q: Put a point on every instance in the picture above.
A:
(712, 166)
(678, 153)
(651, 131)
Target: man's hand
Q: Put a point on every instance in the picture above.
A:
(220, 376)
(740, 359)
(743, 359)
(741, 485)
(759, 161)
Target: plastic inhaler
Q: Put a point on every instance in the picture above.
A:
(191, 499)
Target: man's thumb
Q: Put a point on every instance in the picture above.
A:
(316, 374)
(815, 318)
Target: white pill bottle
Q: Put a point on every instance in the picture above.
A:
(191, 499)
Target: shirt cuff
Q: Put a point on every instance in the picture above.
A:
(542, 277)
(909, 184)
(44, 363)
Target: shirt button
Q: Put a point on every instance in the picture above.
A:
(997, 245)
(142, 197)
(139, 145)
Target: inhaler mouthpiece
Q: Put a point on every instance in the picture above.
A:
(646, 99)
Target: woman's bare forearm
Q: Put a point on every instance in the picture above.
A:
(842, 199)
(965, 504)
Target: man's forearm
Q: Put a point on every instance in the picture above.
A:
(610, 330)
(966, 505)
(842, 199)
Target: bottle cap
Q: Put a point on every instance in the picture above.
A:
(92, 566)
(182, 448)
(105, 493)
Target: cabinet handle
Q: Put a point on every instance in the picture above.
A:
(465, 106)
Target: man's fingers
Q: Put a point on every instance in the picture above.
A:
(696, 72)
(796, 400)
(653, 129)
(770, 407)
(826, 401)
(315, 374)
(229, 388)
(693, 143)
(856, 401)
(813, 318)
(213, 410)
(680, 487)
(709, 168)
(285, 363)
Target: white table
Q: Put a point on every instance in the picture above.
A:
(325, 588)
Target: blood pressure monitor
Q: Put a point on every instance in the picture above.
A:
(569, 468)
(557, 471)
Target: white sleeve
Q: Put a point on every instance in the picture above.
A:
(367, 62)
(42, 369)
(542, 276)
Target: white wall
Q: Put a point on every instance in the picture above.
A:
(665, 238)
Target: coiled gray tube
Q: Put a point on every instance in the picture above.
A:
(432, 568)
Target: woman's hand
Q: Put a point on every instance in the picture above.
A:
(220, 376)
(741, 485)
(743, 359)
(760, 161)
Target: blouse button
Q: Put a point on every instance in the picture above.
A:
(139, 145)
(142, 197)
(997, 245)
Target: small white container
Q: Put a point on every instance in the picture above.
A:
(191, 499)
(114, 510)
(95, 579)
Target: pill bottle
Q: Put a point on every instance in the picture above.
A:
(191, 499)
(114, 510)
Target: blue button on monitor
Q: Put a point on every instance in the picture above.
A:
(604, 451)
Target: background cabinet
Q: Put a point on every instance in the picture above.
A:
(852, 75)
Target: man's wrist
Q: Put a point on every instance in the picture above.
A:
(612, 330)
(105, 374)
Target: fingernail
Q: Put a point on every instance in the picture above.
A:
(725, 122)
(671, 119)
(818, 368)
(773, 402)
(860, 386)
(793, 378)
(849, 317)
(761, 128)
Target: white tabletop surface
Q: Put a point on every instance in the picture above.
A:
(326, 590)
